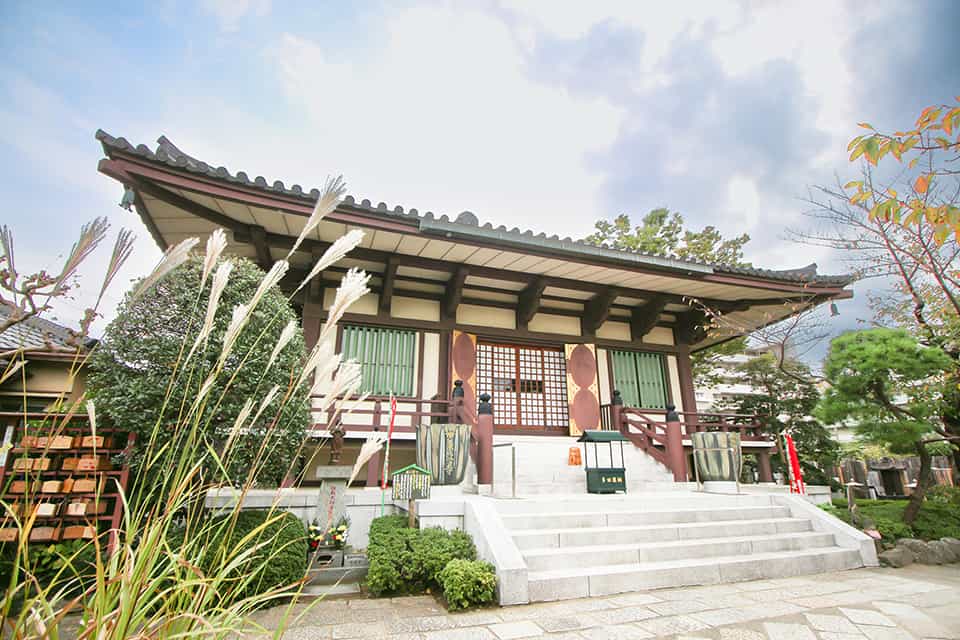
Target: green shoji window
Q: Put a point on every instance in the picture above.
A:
(639, 377)
(387, 358)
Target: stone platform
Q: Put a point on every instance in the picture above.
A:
(863, 604)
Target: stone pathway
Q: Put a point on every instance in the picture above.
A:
(916, 602)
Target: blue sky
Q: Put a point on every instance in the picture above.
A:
(545, 115)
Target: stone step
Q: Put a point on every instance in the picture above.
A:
(666, 501)
(585, 536)
(605, 555)
(567, 519)
(579, 582)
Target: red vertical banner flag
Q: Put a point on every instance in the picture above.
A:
(796, 473)
(386, 456)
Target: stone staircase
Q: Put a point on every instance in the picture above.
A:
(585, 545)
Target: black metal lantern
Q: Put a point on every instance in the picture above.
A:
(611, 477)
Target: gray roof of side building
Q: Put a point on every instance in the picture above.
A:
(37, 334)
(465, 224)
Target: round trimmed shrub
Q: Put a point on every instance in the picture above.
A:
(132, 367)
(468, 583)
(280, 561)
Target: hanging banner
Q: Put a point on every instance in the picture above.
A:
(793, 463)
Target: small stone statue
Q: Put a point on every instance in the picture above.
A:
(336, 442)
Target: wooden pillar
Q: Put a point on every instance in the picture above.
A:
(374, 466)
(688, 396)
(676, 456)
(764, 471)
(312, 318)
(483, 433)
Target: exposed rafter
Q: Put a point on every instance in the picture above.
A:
(256, 235)
(596, 311)
(529, 301)
(454, 293)
(645, 317)
(389, 277)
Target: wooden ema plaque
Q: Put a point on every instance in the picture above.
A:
(67, 477)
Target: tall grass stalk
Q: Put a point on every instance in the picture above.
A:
(174, 571)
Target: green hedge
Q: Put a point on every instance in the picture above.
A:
(936, 519)
(405, 561)
(468, 583)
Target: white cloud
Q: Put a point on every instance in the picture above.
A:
(441, 116)
(229, 13)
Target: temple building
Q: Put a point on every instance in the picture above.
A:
(549, 327)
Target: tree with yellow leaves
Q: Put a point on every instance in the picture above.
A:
(931, 151)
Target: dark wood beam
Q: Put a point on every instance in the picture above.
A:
(529, 301)
(188, 205)
(315, 287)
(258, 237)
(596, 311)
(454, 293)
(389, 277)
(645, 317)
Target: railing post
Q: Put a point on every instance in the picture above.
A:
(764, 471)
(484, 436)
(675, 454)
(616, 413)
(456, 404)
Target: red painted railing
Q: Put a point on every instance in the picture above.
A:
(373, 414)
(666, 438)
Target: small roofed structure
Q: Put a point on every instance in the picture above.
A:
(53, 371)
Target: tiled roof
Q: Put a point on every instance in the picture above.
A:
(466, 223)
(36, 333)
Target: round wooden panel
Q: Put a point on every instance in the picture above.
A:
(464, 357)
(586, 410)
(582, 366)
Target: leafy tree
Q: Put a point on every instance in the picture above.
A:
(931, 150)
(891, 387)
(133, 383)
(786, 400)
(661, 232)
(876, 234)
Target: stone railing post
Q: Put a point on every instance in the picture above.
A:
(675, 454)
(616, 413)
(484, 436)
(764, 471)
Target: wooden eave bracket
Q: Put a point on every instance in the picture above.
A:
(645, 317)
(596, 311)
(529, 301)
(454, 293)
(389, 277)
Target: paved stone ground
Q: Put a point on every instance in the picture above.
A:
(915, 602)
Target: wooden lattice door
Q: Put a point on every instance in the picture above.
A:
(527, 385)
